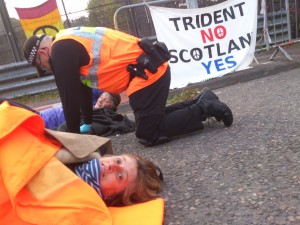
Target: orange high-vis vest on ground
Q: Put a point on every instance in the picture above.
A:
(35, 188)
(110, 53)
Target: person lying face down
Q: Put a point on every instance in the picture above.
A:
(122, 180)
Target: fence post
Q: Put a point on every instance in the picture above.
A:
(287, 8)
(10, 32)
(68, 21)
(192, 4)
(266, 30)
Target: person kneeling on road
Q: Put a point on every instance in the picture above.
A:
(82, 58)
(191, 113)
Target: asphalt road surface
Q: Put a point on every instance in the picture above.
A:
(246, 174)
(242, 175)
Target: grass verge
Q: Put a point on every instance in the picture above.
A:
(185, 94)
(38, 99)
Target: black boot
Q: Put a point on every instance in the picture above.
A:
(213, 107)
(210, 95)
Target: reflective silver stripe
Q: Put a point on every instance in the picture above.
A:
(96, 52)
(96, 34)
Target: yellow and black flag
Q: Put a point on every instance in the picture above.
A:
(44, 18)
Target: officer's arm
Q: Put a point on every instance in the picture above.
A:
(67, 57)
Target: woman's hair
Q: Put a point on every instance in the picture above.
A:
(116, 100)
(147, 185)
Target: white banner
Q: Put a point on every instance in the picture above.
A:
(207, 42)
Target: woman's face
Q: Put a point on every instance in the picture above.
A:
(117, 173)
(104, 101)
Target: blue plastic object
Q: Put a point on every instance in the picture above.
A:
(85, 128)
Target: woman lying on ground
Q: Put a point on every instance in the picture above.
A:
(120, 180)
(54, 117)
(105, 120)
(37, 188)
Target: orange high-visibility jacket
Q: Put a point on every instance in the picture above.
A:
(35, 188)
(110, 53)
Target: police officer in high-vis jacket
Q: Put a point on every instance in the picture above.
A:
(83, 58)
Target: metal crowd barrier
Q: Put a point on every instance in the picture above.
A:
(21, 79)
(278, 27)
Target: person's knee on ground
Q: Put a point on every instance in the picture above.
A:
(147, 131)
(182, 121)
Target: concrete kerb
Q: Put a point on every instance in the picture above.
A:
(243, 76)
(257, 71)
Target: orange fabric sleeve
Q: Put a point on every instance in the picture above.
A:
(35, 188)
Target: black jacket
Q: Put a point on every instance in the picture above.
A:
(107, 122)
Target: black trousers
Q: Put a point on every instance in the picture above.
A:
(154, 119)
(180, 105)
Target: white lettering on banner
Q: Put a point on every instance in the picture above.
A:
(207, 42)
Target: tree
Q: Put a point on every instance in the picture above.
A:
(102, 14)
(81, 21)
